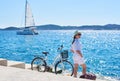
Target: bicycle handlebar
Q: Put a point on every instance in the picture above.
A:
(60, 48)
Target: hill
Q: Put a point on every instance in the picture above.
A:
(85, 27)
(10, 28)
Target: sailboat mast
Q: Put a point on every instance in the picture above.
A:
(25, 12)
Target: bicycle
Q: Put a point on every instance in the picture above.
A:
(60, 65)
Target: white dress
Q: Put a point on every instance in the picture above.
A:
(76, 57)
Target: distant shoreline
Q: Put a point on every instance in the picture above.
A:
(85, 27)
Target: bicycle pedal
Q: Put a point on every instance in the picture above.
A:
(60, 71)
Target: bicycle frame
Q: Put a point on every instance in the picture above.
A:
(57, 58)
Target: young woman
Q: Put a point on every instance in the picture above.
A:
(77, 54)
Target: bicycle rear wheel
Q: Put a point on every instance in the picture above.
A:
(38, 64)
(64, 67)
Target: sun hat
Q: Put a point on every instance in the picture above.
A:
(77, 32)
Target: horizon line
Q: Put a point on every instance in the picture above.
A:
(64, 25)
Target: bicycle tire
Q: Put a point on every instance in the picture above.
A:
(59, 70)
(38, 64)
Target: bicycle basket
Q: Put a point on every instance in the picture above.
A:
(64, 54)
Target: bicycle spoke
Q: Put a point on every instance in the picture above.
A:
(38, 64)
(64, 68)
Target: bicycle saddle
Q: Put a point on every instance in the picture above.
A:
(44, 52)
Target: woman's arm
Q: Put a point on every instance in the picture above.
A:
(72, 51)
(79, 52)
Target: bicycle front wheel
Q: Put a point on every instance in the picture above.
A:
(64, 67)
(38, 64)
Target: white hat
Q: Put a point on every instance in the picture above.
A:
(77, 32)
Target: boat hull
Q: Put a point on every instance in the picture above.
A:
(26, 33)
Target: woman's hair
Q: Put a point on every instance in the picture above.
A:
(73, 39)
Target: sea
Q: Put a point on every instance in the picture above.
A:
(100, 48)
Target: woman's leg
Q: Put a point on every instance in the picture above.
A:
(83, 69)
(75, 70)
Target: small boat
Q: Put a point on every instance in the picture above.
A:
(29, 28)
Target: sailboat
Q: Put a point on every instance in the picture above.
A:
(29, 28)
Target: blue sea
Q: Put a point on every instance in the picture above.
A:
(101, 49)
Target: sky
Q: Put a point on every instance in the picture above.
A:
(61, 12)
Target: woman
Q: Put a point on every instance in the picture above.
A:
(77, 54)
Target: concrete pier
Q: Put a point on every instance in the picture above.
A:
(11, 71)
